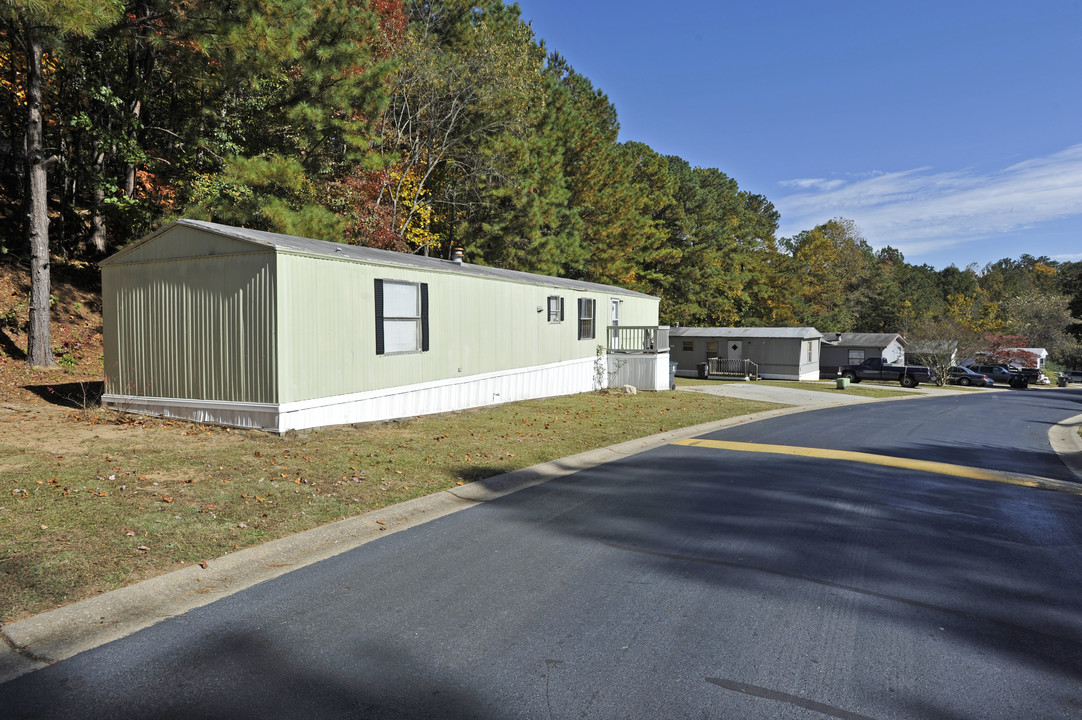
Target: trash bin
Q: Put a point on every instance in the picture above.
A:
(672, 375)
(704, 370)
(1063, 381)
(843, 383)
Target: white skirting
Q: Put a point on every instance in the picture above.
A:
(563, 378)
(643, 371)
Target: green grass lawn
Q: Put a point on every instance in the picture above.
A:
(91, 501)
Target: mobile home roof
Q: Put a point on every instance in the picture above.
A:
(340, 251)
(803, 333)
(862, 339)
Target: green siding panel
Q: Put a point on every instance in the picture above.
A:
(203, 328)
(477, 325)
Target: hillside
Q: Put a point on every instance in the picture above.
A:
(76, 335)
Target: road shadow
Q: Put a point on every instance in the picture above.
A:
(238, 675)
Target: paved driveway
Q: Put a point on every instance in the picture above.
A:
(791, 395)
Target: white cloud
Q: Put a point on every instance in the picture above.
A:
(812, 183)
(919, 211)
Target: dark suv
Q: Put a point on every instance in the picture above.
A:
(1000, 373)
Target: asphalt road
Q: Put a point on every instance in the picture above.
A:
(685, 582)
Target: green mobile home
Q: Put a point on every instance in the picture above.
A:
(254, 329)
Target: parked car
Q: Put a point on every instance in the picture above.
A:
(965, 376)
(1074, 376)
(1001, 373)
(1035, 376)
(877, 368)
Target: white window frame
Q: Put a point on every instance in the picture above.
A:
(556, 309)
(401, 317)
(587, 318)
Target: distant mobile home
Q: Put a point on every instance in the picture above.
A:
(779, 353)
(854, 348)
(1028, 356)
(253, 329)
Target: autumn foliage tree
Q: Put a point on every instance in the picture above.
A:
(417, 126)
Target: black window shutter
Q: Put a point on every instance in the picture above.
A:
(424, 317)
(561, 309)
(379, 317)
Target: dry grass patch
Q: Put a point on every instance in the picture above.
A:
(93, 500)
(819, 386)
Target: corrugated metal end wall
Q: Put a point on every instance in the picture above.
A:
(198, 328)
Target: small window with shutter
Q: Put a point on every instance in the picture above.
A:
(556, 309)
(401, 317)
(586, 318)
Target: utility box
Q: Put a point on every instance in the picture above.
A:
(843, 383)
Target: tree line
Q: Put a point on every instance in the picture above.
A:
(417, 127)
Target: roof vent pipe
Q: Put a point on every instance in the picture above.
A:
(456, 256)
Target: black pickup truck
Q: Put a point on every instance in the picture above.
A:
(875, 369)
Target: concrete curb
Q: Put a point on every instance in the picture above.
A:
(1065, 440)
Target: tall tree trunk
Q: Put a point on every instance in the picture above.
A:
(140, 65)
(97, 220)
(39, 340)
(129, 175)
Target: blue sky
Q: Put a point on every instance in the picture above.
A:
(949, 130)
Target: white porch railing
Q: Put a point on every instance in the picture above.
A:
(638, 339)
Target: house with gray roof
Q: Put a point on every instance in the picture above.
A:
(854, 348)
(254, 329)
(781, 353)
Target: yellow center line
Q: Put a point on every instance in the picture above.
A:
(930, 466)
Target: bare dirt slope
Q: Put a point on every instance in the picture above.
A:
(36, 405)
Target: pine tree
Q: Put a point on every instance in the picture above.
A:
(38, 27)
